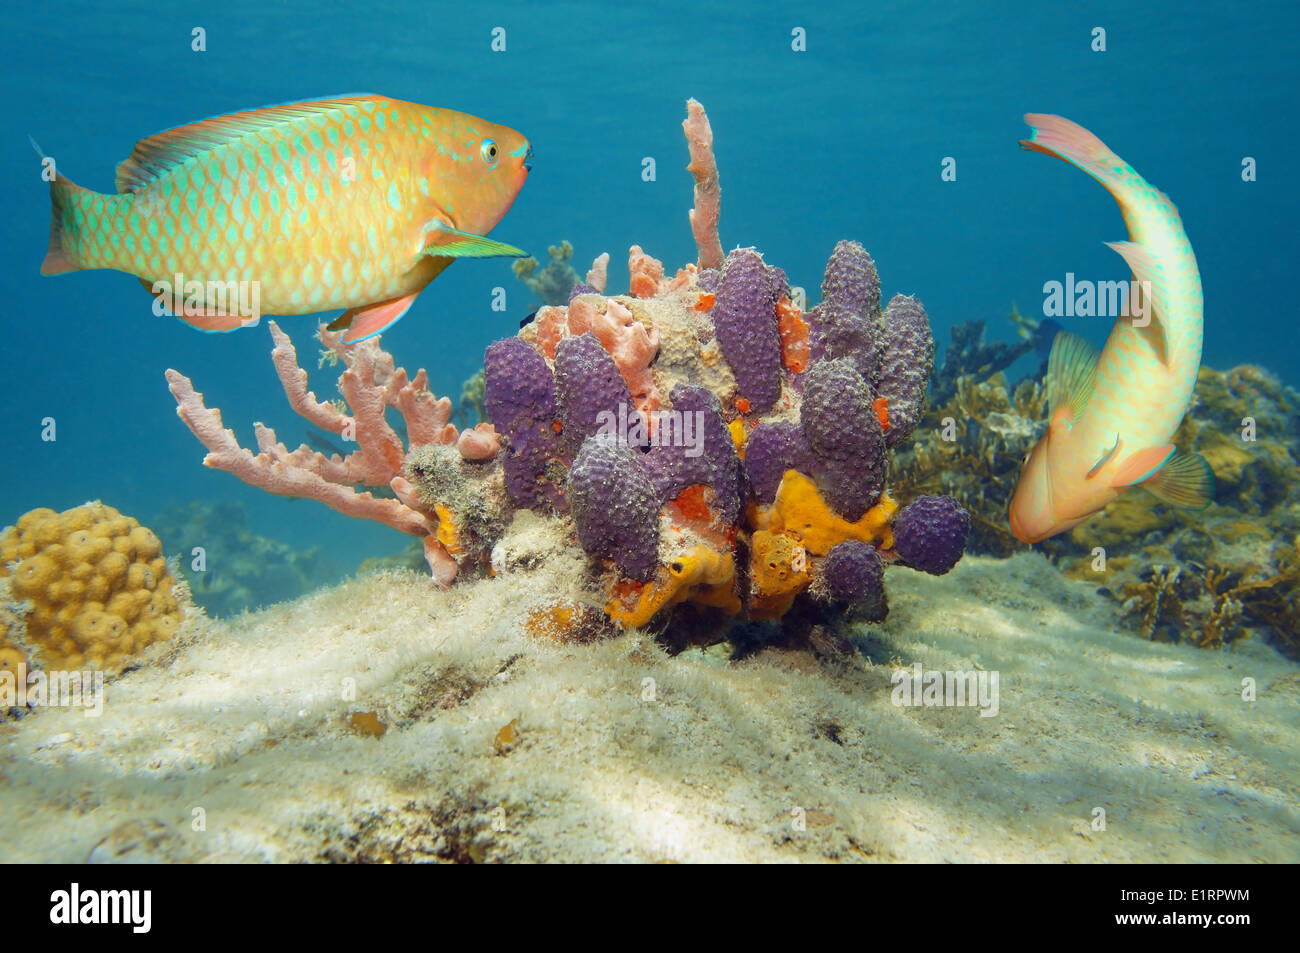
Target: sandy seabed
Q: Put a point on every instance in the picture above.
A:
(235, 743)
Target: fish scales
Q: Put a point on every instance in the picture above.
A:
(331, 204)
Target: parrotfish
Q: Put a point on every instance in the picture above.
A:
(1113, 415)
(356, 202)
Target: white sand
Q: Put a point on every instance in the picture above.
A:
(245, 720)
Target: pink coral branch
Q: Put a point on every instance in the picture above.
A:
(708, 195)
(369, 384)
(598, 276)
(268, 470)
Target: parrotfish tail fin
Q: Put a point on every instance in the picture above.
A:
(1071, 370)
(1057, 136)
(59, 257)
(1185, 481)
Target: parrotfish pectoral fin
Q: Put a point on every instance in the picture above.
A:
(363, 323)
(1105, 457)
(448, 242)
(1185, 481)
(1142, 465)
(1071, 369)
(1146, 272)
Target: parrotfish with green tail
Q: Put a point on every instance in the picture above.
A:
(1113, 415)
(356, 202)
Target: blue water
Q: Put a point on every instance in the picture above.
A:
(844, 140)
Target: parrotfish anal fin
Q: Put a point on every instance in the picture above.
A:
(444, 241)
(210, 322)
(373, 318)
(1071, 369)
(158, 154)
(1142, 465)
(1185, 481)
(1146, 272)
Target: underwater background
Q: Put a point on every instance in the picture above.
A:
(843, 140)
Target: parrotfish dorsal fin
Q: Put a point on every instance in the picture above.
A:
(444, 241)
(158, 154)
(1146, 272)
(1071, 368)
(1185, 481)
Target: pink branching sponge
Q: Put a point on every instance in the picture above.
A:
(369, 383)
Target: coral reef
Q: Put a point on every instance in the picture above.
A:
(240, 568)
(1205, 577)
(709, 447)
(370, 384)
(87, 587)
(471, 401)
(554, 282)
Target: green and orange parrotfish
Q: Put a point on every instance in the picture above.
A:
(355, 202)
(1114, 415)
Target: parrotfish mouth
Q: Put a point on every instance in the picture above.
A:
(528, 160)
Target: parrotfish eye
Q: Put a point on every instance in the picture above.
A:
(489, 151)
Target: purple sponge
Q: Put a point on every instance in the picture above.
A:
(930, 533)
(744, 318)
(702, 451)
(847, 323)
(905, 369)
(519, 397)
(851, 280)
(614, 506)
(853, 573)
(590, 389)
(845, 436)
(771, 450)
(852, 570)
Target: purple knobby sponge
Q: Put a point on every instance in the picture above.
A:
(581, 288)
(709, 280)
(591, 392)
(745, 320)
(693, 445)
(845, 435)
(848, 323)
(614, 506)
(930, 533)
(852, 571)
(906, 366)
(771, 450)
(520, 400)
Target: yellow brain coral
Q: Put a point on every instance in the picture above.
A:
(94, 585)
